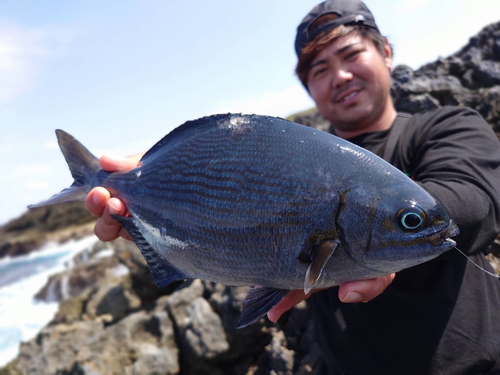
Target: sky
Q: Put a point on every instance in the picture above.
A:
(119, 75)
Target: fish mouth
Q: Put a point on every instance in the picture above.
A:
(442, 238)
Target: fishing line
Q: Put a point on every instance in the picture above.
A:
(478, 266)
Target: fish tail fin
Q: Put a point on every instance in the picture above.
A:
(83, 165)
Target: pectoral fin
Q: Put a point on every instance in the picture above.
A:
(258, 302)
(320, 257)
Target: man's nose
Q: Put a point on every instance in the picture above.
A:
(341, 77)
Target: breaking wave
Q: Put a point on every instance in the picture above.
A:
(21, 317)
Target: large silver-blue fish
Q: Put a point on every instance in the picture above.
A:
(257, 200)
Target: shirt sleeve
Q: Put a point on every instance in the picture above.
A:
(456, 158)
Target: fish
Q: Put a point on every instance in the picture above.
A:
(251, 200)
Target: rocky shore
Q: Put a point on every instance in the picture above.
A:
(57, 223)
(112, 319)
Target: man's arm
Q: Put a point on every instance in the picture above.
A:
(458, 162)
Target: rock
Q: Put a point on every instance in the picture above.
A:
(496, 49)
(71, 310)
(487, 73)
(142, 281)
(201, 335)
(456, 66)
(156, 351)
(227, 302)
(114, 297)
(54, 349)
(71, 283)
(205, 336)
(417, 103)
(142, 343)
(280, 357)
(34, 228)
(153, 360)
(472, 55)
(494, 262)
(421, 85)
(313, 119)
(488, 105)
(494, 248)
(402, 74)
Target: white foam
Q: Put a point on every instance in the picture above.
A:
(21, 317)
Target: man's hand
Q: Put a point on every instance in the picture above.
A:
(354, 291)
(100, 204)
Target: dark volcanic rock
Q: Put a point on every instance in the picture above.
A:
(71, 283)
(487, 73)
(460, 79)
(142, 343)
(55, 223)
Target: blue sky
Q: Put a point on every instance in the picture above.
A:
(119, 75)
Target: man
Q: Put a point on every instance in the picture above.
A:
(436, 318)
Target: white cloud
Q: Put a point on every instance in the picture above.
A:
(410, 6)
(443, 35)
(22, 51)
(25, 170)
(51, 145)
(36, 185)
(280, 103)
(122, 150)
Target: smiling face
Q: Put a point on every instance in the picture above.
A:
(350, 82)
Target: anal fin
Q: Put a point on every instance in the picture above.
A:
(163, 272)
(320, 257)
(258, 302)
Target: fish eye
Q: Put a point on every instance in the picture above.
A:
(411, 218)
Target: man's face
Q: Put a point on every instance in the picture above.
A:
(350, 82)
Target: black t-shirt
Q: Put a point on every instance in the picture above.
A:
(443, 316)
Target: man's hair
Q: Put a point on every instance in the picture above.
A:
(313, 48)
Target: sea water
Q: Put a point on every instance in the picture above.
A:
(21, 316)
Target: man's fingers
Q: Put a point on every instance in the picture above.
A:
(120, 165)
(124, 234)
(100, 204)
(291, 299)
(364, 290)
(96, 201)
(106, 228)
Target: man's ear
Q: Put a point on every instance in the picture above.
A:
(388, 55)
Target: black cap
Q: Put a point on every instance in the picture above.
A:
(348, 12)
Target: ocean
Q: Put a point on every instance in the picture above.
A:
(21, 317)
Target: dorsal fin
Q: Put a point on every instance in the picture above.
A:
(198, 127)
(186, 130)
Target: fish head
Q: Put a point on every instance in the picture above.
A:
(392, 228)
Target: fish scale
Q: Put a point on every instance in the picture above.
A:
(249, 204)
(258, 200)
